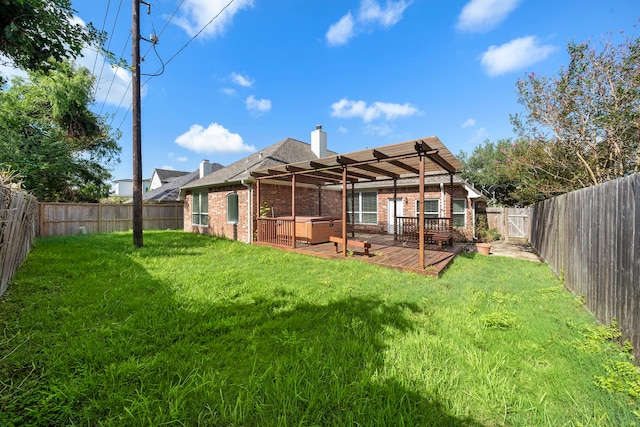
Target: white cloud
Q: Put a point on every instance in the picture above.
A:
(213, 139)
(172, 156)
(340, 32)
(343, 129)
(379, 130)
(483, 15)
(393, 111)
(514, 55)
(228, 91)
(479, 135)
(258, 105)
(198, 13)
(370, 11)
(348, 109)
(113, 83)
(241, 80)
(370, 15)
(469, 123)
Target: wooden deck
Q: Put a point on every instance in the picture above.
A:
(388, 253)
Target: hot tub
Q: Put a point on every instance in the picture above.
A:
(316, 229)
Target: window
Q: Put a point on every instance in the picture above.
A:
(200, 208)
(365, 207)
(459, 212)
(232, 208)
(431, 208)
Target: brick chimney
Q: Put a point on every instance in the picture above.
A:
(205, 168)
(319, 142)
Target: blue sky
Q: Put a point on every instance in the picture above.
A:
(370, 72)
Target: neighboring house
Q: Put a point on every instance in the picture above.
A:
(124, 187)
(169, 191)
(225, 203)
(160, 177)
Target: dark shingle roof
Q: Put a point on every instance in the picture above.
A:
(281, 153)
(166, 175)
(170, 191)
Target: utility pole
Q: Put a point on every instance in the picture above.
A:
(137, 134)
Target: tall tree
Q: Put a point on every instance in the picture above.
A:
(582, 126)
(32, 32)
(487, 169)
(62, 150)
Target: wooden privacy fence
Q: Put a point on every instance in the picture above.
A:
(18, 224)
(60, 219)
(592, 238)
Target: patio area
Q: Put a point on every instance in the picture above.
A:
(303, 226)
(386, 252)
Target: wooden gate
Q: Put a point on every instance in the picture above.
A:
(517, 223)
(511, 223)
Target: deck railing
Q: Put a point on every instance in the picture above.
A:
(276, 231)
(408, 227)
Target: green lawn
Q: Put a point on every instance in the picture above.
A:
(195, 330)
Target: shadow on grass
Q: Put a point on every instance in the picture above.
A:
(322, 364)
(137, 352)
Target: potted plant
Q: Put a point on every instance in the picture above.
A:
(486, 235)
(483, 248)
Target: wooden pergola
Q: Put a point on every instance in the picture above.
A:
(408, 159)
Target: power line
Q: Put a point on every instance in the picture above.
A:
(113, 77)
(166, 24)
(126, 114)
(104, 22)
(193, 38)
(164, 64)
(113, 29)
(129, 86)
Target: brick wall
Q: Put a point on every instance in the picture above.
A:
(278, 197)
(309, 201)
(410, 196)
(217, 204)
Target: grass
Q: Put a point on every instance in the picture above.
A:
(196, 330)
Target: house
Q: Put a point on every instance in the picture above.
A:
(171, 181)
(124, 187)
(223, 203)
(160, 177)
(293, 179)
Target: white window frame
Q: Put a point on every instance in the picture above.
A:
(200, 208)
(458, 214)
(429, 214)
(233, 198)
(360, 214)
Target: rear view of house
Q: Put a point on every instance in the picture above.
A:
(223, 203)
(296, 182)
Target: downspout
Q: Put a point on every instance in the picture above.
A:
(249, 184)
(443, 201)
(473, 219)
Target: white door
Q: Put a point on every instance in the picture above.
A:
(390, 218)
